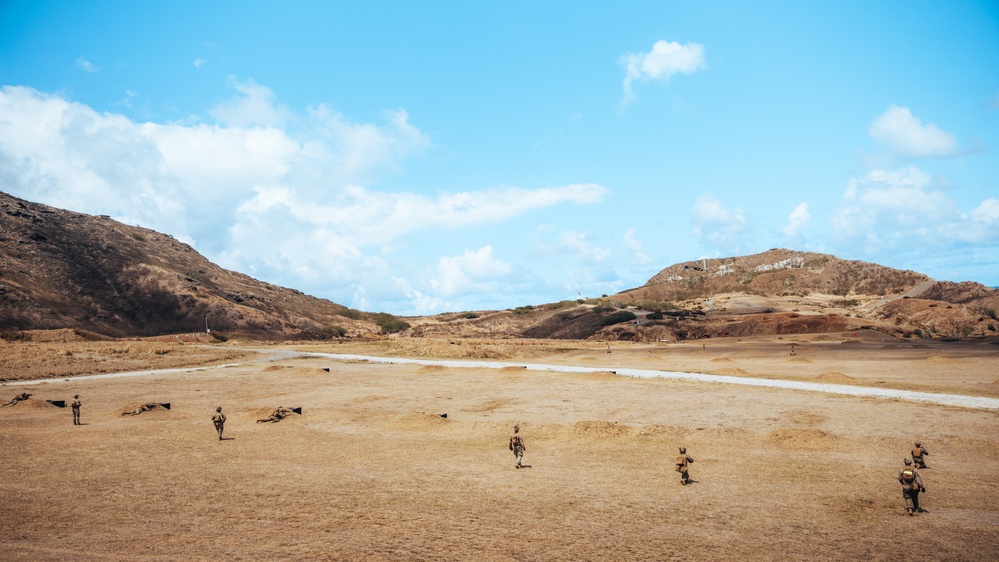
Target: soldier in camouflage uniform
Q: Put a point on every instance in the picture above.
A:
(219, 420)
(76, 409)
(918, 452)
(681, 466)
(517, 446)
(277, 415)
(912, 485)
(18, 398)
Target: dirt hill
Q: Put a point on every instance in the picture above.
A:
(60, 269)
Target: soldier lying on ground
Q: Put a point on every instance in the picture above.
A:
(18, 398)
(277, 415)
(143, 408)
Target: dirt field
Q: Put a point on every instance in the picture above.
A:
(371, 471)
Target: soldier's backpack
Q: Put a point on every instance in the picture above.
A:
(908, 476)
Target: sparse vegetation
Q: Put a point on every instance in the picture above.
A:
(390, 324)
(522, 310)
(469, 315)
(331, 332)
(617, 318)
(14, 335)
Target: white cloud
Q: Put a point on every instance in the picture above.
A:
(637, 252)
(724, 230)
(664, 60)
(469, 272)
(797, 221)
(198, 63)
(285, 207)
(256, 107)
(887, 212)
(904, 133)
(86, 66)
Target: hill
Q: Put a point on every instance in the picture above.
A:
(61, 269)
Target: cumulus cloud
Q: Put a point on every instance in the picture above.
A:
(256, 106)
(664, 60)
(796, 221)
(898, 210)
(635, 246)
(724, 230)
(904, 133)
(287, 205)
(469, 272)
(86, 66)
(198, 63)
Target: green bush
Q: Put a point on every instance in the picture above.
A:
(617, 318)
(469, 315)
(331, 332)
(522, 310)
(395, 326)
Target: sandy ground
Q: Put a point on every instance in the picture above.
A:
(371, 471)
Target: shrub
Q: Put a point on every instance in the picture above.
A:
(990, 312)
(390, 324)
(14, 335)
(331, 332)
(655, 315)
(617, 318)
(469, 315)
(522, 310)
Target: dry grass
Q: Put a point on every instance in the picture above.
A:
(371, 471)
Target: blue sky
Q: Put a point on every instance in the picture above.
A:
(416, 158)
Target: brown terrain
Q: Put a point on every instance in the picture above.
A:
(372, 470)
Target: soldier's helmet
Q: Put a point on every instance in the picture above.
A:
(516, 428)
(683, 450)
(219, 409)
(76, 396)
(918, 444)
(907, 461)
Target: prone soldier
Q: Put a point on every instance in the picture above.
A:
(18, 398)
(143, 408)
(277, 415)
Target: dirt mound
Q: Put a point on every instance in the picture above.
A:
(600, 429)
(272, 368)
(796, 438)
(732, 372)
(663, 431)
(30, 404)
(158, 410)
(419, 420)
(936, 359)
(489, 406)
(806, 418)
(834, 377)
(306, 371)
(432, 370)
(721, 360)
(800, 360)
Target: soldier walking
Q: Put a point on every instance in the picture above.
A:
(918, 452)
(517, 446)
(219, 420)
(76, 409)
(681, 466)
(912, 485)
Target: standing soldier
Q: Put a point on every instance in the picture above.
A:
(912, 485)
(517, 445)
(219, 420)
(918, 452)
(681, 465)
(76, 409)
